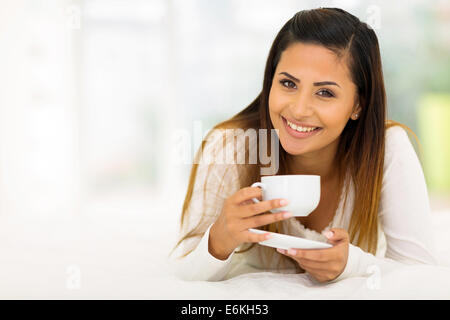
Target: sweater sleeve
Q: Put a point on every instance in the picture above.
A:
(405, 213)
(214, 182)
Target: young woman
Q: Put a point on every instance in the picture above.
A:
(323, 72)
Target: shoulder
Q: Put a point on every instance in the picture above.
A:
(222, 145)
(217, 159)
(396, 136)
(397, 143)
(400, 154)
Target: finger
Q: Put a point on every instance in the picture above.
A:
(248, 202)
(310, 265)
(316, 269)
(264, 219)
(263, 206)
(320, 276)
(321, 255)
(336, 235)
(256, 237)
(246, 194)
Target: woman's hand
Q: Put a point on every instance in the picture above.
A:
(323, 264)
(240, 213)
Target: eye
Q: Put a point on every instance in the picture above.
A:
(328, 93)
(286, 81)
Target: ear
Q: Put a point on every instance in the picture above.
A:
(358, 108)
(356, 113)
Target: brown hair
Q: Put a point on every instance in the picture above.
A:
(362, 143)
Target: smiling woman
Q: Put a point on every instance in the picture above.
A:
(305, 102)
(323, 92)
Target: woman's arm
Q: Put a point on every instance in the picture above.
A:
(200, 264)
(214, 182)
(405, 211)
(405, 214)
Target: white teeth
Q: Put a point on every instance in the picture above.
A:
(298, 128)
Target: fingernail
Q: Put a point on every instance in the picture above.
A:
(267, 236)
(292, 252)
(283, 202)
(329, 234)
(287, 215)
(281, 251)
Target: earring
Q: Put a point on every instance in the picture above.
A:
(356, 116)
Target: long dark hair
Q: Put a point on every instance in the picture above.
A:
(362, 142)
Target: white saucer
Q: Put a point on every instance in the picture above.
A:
(284, 241)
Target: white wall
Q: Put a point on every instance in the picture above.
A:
(39, 163)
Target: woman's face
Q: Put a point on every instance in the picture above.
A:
(313, 88)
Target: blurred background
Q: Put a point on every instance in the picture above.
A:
(95, 95)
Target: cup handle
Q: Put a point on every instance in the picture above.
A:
(257, 184)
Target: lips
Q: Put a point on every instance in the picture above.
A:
(297, 124)
(299, 134)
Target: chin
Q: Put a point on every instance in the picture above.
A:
(293, 148)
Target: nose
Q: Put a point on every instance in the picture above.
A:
(301, 106)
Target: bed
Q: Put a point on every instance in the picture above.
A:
(109, 256)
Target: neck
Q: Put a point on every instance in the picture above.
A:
(321, 162)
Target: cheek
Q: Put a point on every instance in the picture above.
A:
(275, 108)
(278, 102)
(274, 103)
(335, 122)
(330, 121)
(333, 116)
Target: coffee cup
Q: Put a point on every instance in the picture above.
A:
(302, 192)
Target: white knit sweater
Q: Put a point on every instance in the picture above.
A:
(405, 234)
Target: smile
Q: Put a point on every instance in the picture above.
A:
(298, 131)
(299, 128)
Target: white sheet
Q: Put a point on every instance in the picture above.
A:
(107, 257)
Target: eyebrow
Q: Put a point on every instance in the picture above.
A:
(321, 83)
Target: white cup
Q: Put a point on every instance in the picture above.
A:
(302, 192)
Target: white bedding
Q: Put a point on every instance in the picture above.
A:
(107, 257)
